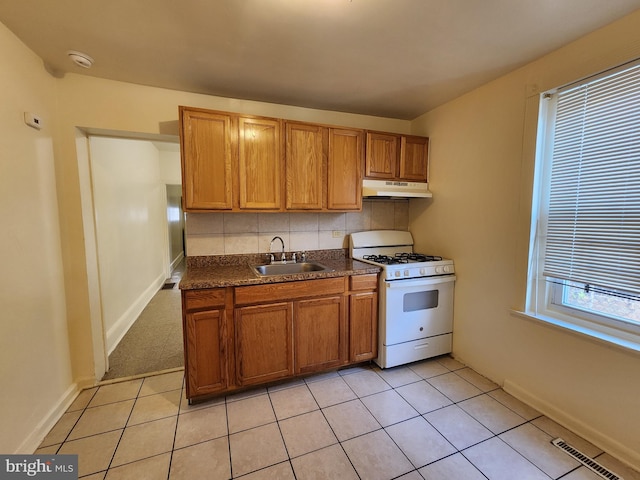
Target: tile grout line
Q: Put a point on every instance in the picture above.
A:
(226, 416)
(175, 431)
(66, 438)
(124, 428)
(331, 427)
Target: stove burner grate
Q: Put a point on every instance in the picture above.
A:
(418, 257)
(386, 259)
(400, 258)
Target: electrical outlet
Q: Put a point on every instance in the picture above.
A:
(337, 233)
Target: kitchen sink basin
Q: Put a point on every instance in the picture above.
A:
(289, 268)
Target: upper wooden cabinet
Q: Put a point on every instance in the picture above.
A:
(323, 167)
(304, 166)
(260, 163)
(344, 169)
(414, 158)
(382, 155)
(230, 162)
(396, 157)
(245, 163)
(206, 140)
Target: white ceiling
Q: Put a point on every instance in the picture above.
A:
(390, 58)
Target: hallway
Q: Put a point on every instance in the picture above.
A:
(154, 342)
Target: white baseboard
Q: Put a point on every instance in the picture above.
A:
(33, 441)
(176, 261)
(127, 319)
(604, 442)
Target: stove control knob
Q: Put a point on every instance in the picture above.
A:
(406, 273)
(439, 269)
(448, 269)
(397, 273)
(423, 271)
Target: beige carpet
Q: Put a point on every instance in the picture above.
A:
(154, 342)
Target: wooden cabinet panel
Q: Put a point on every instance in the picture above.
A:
(304, 158)
(363, 326)
(242, 336)
(363, 282)
(320, 327)
(273, 292)
(204, 299)
(263, 343)
(414, 155)
(205, 353)
(382, 155)
(260, 163)
(206, 149)
(344, 169)
(246, 163)
(396, 157)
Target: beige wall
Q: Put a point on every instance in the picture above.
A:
(482, 147)
(35, 369)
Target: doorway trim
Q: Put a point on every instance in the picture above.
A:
(82, 134)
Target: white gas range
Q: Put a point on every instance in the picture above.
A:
(415, 297)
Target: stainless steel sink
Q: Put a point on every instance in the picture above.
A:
(289, 268)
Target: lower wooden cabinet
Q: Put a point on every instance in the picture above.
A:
(363, 318)
(263, 343)
(363, 332)
(320, 327)
(205, 340)
(241, 336)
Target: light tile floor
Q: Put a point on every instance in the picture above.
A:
(435, 420)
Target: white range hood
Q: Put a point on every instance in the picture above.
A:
(395, 189)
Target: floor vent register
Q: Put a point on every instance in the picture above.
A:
(588, 462)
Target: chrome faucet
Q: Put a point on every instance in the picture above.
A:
(283, 259)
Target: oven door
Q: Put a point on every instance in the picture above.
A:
(416, 308)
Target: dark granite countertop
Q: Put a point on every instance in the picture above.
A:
(234, 270)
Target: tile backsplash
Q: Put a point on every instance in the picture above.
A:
(242, 233)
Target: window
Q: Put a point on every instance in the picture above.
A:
(585, 262)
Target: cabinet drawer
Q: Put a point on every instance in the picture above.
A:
(203, 299)
(363, 282)
(274, 292)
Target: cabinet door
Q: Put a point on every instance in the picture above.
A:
(304, 166)
(205, 352)
(414, 156)
(260, 163)
(263, 341)
(206, 154)
(344, 169)
(382, 155)
(320, 334)
(363, 326)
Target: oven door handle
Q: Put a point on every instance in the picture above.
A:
(420, 282)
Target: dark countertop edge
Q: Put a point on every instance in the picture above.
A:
(210, 274)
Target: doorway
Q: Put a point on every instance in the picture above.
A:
(138, 228)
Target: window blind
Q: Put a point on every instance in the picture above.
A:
(593, 228)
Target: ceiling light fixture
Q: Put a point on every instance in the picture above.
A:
(81, 59)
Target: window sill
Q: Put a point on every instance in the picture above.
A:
(624, 340)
